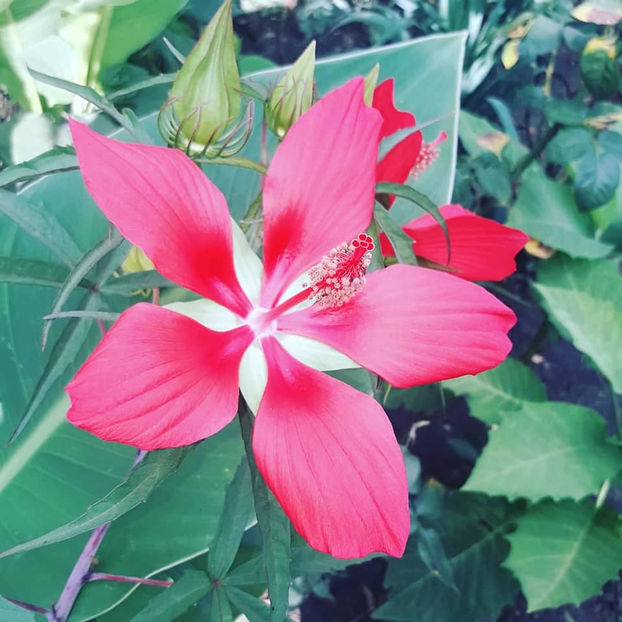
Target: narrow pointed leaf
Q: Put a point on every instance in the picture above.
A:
(255, 609)
(106, 316)
(233, 521)
(141, 482)
(275, 532)
(128, 283)
(77, 274)
(32, 272)
(40, 225)
(175, 600)
(58, 159)
(402, 244)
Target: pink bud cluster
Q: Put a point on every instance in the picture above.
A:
(341, 273)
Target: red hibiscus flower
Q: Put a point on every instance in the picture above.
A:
(481, 249)
(169, 376)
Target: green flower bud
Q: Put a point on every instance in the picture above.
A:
(370, 81)
(206, 94)
(293, 94)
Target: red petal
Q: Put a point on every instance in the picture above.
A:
(392, 118)
(481, 249)
(396, 165)
(329, 455)
(158, 379)
(413, 326)
(162, 202)
(319, 189)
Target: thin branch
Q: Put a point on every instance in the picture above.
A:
(103, 576)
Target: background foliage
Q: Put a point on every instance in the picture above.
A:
(514, 473)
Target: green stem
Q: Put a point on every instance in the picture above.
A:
(240, 161)
(251, 213)
(536, 151)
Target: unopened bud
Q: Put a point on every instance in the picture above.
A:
(206, 96)
(293, 94)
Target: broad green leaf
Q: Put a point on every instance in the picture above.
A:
(546, 449)
(547, 211)
(472, 530)
(174, 600)
(275, 531)
(41, 225)
(597, 179)
(58, 159)
(237, 513)
(139, 485)
(564, 552)
(501, 389)
(584, 302)
(134, 24)
(402, 244)
(569, 144)
(12, 613)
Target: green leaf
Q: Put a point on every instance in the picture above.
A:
(472, 530)
(584, 302)
(547, 449)
(569, 144)
(13, 613)
(501, 389)
(275, 531)
(133, 25)
(252, 607)
(77, 275)
(32, 272)
(236, 515)
(402, 244)
(58, 159)
(39, 224)
(547, 211)
(175, 600)
(493, 176)
(543, 37)
(597, 179)
(564, 552)
(139, 485)
(221, 608)
(600, 73)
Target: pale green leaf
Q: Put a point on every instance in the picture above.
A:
(564, 552)
(501, 389)
(584, 301)
(546, 449)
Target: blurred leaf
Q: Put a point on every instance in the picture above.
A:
(547, 211)
(493, 176)
(569, 144)
(236, 514)
(597, 179)
(402, 244)
(543, 37)
(499, 390)
(432, 553)
(472, 530)
(584, 302)
(602, 12)
(136, 489)
(59, 159)
(129, 283)
(13, 613)
(565, 111)
(504, 114)
(564, 552)
(308, 561)
(175, 600)
(40, 224)
(134, 24)
(600, 72)
(546, 449)
(611, 142)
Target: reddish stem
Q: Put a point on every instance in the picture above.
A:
(27, 606)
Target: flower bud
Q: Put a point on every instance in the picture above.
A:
(206, 94)
(293, 94)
